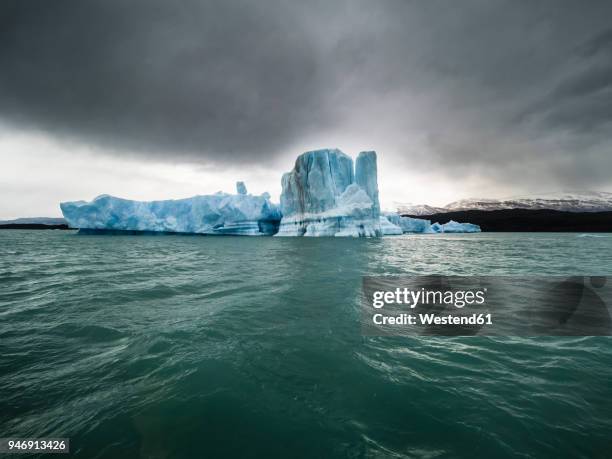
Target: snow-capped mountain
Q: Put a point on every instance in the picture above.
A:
(417, 209)
(578, 201)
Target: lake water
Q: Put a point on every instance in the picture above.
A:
(189, 346)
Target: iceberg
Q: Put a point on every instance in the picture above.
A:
(456, 227)
(437, 228)
(220, 213)
(420, 225)
(325, 196)
(409, 224)
(415, 225)
(389, 229)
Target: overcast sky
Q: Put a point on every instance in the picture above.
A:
(164, 99)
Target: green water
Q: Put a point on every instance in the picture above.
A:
(186, 346)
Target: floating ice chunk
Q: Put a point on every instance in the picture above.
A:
(455, 227)
(387, 228)
(409, 224)
(419, 225)
(415, 225)
(220, 213)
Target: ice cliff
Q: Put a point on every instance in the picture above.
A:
(220, 213)
(324, 195)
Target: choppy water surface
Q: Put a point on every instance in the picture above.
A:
(186, 346)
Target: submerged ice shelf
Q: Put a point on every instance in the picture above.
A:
(325, 194)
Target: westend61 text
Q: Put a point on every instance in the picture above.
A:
(432, 319)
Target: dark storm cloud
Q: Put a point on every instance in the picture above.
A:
(210, 77)
(484, 83)
(582, 99)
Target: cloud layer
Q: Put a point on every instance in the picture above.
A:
(519, 92)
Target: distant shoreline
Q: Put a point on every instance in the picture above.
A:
(34, 226)
(504, 220)
(528, 220)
